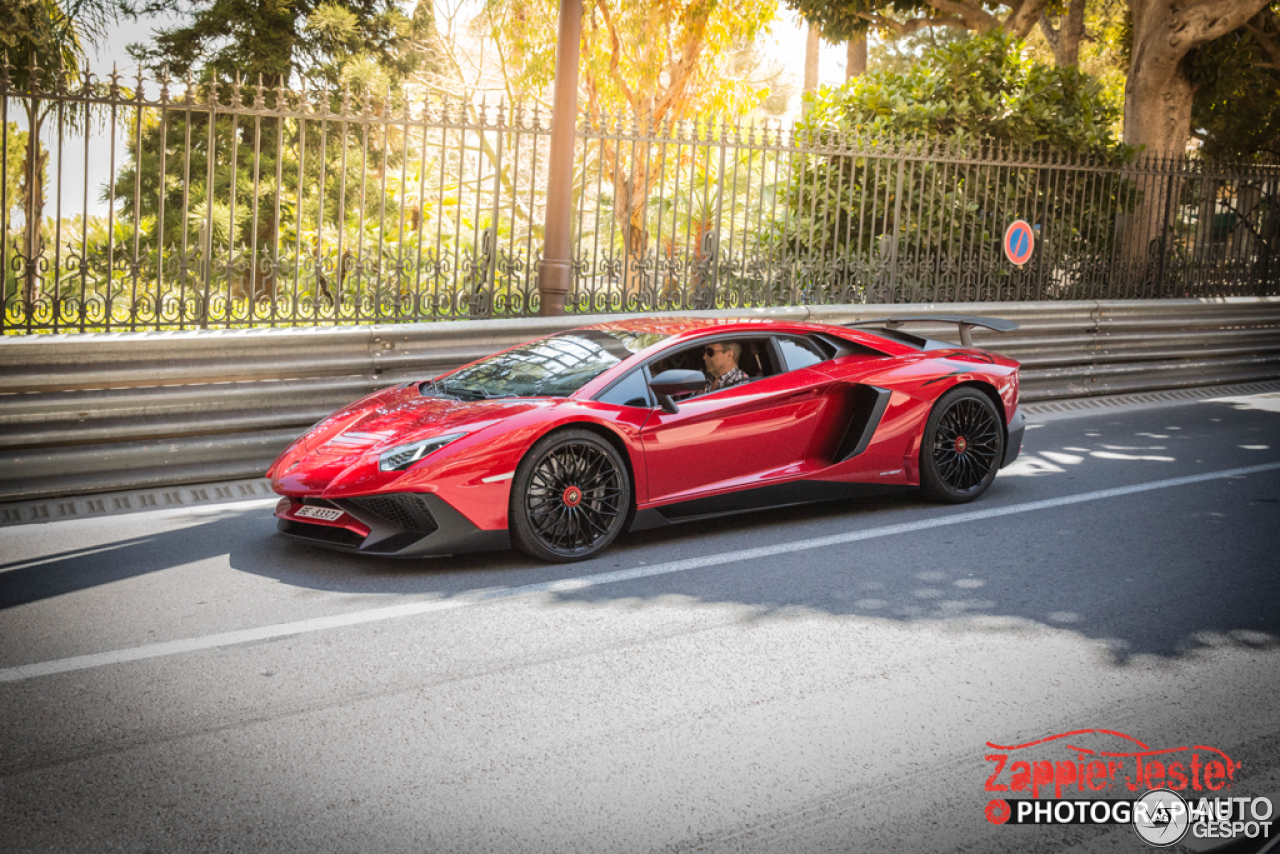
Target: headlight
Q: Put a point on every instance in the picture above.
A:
(403, 456)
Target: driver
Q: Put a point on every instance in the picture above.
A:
(720, 364)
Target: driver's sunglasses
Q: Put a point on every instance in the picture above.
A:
(711, 351)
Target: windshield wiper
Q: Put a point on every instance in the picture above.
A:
(432, 388)
(464, 393)
(492, 395)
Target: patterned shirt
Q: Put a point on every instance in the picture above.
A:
(733, 376)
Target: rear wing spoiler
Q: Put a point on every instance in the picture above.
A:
(965, 322)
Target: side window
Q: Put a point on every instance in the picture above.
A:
(631, 390)
(800, 353)
(754, 359)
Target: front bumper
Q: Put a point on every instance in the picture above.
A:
(398, 524)
(1013, 442)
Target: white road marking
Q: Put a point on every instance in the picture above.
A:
(392, 612)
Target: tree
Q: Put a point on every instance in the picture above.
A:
(843, 19)
(324, 40)
(855, 57)
(859, 200)
(812, 54)
(1064, 39)
(898, 53)
(654, 63)
(1240, 68)
(366, 45)
(43, 46)
(1159, 91)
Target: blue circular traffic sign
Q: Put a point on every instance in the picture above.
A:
(1019, 240)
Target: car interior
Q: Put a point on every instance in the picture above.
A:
(756, 360)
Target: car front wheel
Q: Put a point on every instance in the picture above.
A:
(570, 497)
(962, 448)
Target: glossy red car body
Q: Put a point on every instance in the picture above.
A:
(799, 434)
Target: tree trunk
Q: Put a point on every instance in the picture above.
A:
(1158, 91)
(1022, 20)
(1157, 108)
(1065, 41)
(1157, 119)
(811, 49)
(33, 209)
(631, 179)
(855, 57)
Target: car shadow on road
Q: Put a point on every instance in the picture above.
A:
(1084, 574)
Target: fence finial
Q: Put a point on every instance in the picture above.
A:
(60, 79)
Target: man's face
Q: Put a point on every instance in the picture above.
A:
(717, 359)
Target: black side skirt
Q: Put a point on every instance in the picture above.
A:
(759, 498)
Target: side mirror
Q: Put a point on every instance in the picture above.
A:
(672, 382)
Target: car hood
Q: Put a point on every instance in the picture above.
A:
(405, 416)
(354, 436)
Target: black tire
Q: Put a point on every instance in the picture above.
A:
(570, 497)
(962, 448)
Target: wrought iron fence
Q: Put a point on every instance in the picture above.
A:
(230, 205)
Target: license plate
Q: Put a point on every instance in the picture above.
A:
(329, 514)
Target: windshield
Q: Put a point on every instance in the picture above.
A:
(551, 367)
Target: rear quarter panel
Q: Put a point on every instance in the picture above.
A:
(916, 381)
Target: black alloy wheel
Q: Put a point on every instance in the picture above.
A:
(962, 448)
(570, 497)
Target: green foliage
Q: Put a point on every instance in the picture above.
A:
(843, 19)
(1236, 109)
(360, 42)
(891, 53)
(14, 164)
(343, 159)
(979, 88)
(978, 99)
(49, 33)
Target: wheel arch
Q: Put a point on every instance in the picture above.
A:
(991, 393)
(609, 435)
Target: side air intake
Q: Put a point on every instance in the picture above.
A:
(870, 403)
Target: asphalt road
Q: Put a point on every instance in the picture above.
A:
(814, 679)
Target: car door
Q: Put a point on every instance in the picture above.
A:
(737, 437)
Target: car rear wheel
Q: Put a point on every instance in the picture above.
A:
(570, 497)
(962, 448)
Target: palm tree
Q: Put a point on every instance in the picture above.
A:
(43, 48)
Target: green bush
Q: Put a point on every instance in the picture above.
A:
(924, 170)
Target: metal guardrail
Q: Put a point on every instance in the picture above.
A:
(93, 413)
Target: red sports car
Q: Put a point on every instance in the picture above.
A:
(559, 445)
